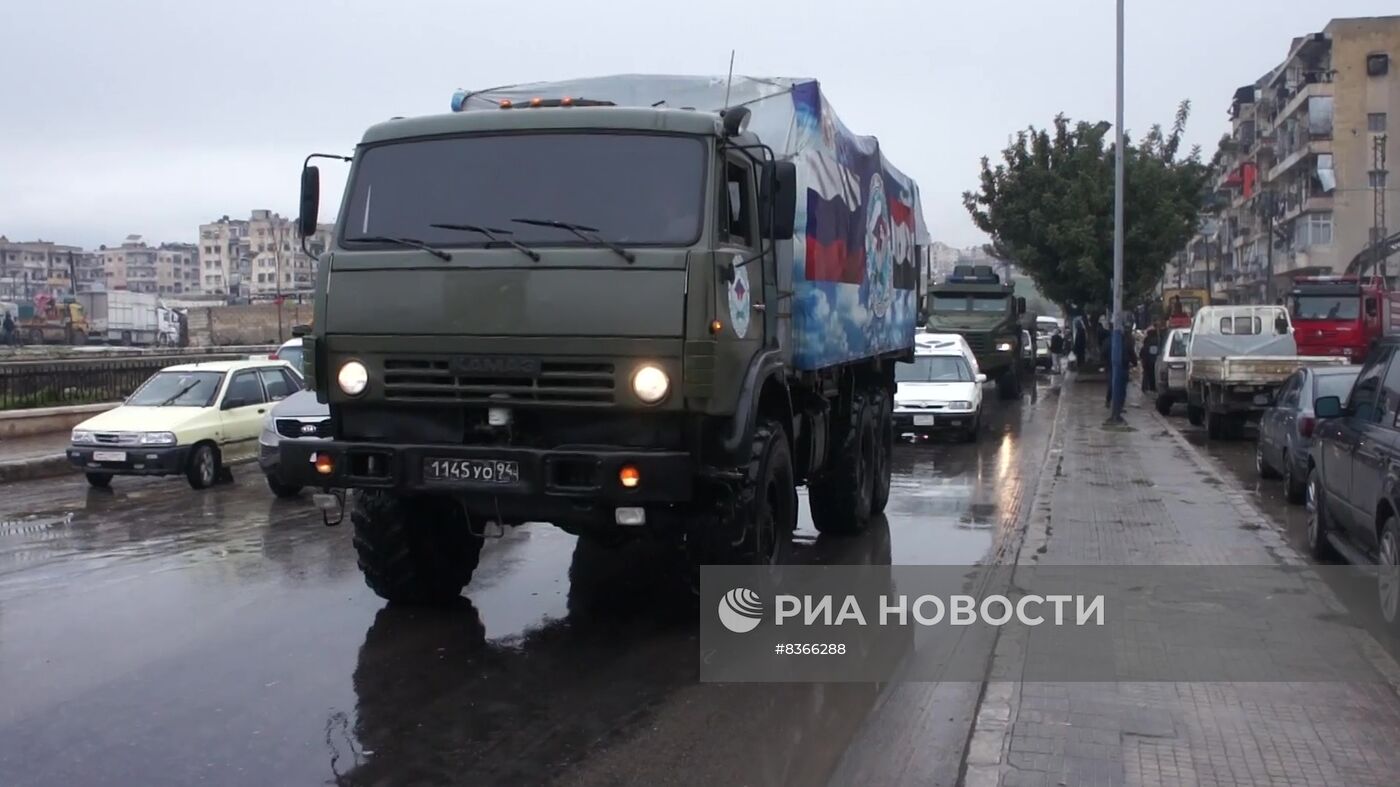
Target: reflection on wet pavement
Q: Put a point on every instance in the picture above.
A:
(154, 635)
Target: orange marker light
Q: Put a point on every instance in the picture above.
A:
(324, 464)
(716, 326)
(506, 103)
(534, 102)
(629, 477)
(567, 101)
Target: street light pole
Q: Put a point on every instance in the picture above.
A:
(1117, 368)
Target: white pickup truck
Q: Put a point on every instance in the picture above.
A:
(1238, 359)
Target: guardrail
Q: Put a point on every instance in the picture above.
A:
(50, 383)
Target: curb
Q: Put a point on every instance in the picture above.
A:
(50, 466)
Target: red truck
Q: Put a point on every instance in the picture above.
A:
(1341, 315)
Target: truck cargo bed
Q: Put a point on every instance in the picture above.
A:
(1255, 369)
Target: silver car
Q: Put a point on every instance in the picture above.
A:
(298, 416)
(1171, 369)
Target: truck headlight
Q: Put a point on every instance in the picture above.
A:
(82, 436)
(352, 378)
(1003, 347)
(157, 438)
(650, 384)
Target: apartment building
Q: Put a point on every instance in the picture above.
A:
(1303, 186)
(30, 267)
(257, 256)
(167, 269)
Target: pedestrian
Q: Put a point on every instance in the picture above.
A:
(1130, 360)
(1057, 351)
(9, 329)
(1081, 340)
(1151, 346)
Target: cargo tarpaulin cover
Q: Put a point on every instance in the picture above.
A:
(854, 263)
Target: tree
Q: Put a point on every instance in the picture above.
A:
(1048, 207)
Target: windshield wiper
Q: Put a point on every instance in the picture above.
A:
(589, 234)
(412, 243)
(492, 234)
(180, 393)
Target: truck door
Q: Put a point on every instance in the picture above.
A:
(744, 300)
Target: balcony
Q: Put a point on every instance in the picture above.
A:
(1293, 208)
(1304, 152)
(1300, 99)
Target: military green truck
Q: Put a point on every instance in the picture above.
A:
(975, 303)
(598, 304)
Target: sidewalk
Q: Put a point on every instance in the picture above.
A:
(41, 456)
(1145, 496)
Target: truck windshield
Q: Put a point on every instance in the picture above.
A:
(934, 369)
(989, 303)
(1326, 307)
(635, 189)
(178, 389)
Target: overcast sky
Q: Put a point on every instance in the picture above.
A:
(152, 116)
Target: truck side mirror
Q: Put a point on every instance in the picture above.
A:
(1020, 305)
(777, 194)
(1327, 406)
(310, 201)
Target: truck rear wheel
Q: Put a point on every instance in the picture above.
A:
(841, 498)
(413, 550)
(884, 454)
(1164, 404)
(1195, 414)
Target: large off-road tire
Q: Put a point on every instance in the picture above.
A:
(1164, 404)
(841, 497)
(204, 466)
(1318, 521)
(1009, 384)
(884, 428)
(1195, 414)
(766, 514)
(99, 480)
(413, 550)
(281, 489)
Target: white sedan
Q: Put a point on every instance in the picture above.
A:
(938, 391)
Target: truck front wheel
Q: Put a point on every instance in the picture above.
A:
(884, 456)
(413, 550)
(767, 515)
(1009, 383)
(842, 497)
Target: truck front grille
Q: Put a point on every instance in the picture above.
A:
(979, 342)
(576, 382)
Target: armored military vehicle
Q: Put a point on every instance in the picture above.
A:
(626, 306)
(974, 302)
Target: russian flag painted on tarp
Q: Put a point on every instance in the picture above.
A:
(835, 241)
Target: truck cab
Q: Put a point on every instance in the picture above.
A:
(975, 303)
(1341, 315)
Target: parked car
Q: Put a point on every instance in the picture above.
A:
(299, 416)
(1171, 369)
(1286, 429)
(291, 351)
(938, 391)
(190, 419)
(1353, 493)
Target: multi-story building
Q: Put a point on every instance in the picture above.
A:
(259, 256)
(30, 267)
(167, 269)
(1302, 185)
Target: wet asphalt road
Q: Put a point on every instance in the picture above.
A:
(154, 635)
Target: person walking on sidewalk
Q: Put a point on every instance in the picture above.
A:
(1081, 340)
(1057, 351)
(1129, 360)
(1151, 345)
(9, 329)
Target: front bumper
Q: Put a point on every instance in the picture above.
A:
(567, 475)
(136, 460)
(933, 420)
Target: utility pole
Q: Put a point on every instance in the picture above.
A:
(1116, 368)
(1378, 184)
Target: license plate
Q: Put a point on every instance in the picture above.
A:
(109, 456)
(923, 420)
(482, 471)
